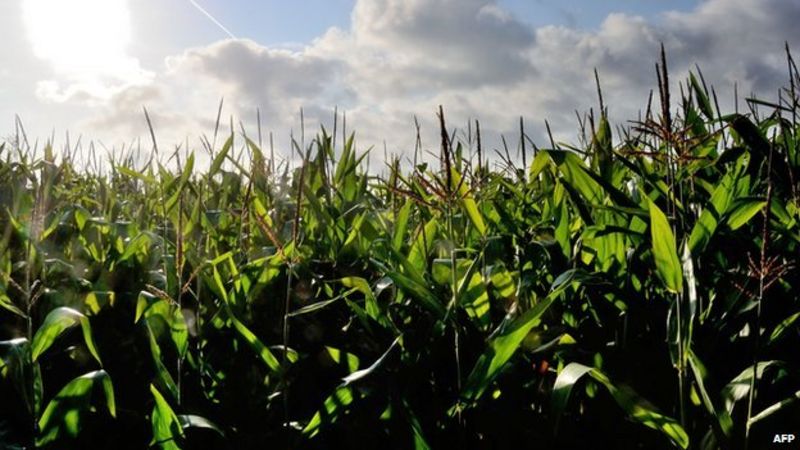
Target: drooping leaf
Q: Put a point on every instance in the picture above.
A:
(630, 402)
(55, 324)
(8, 305)
(195, 421)
(739, 387)
(63, 416)
(359, 374)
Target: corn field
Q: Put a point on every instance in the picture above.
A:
(640, 291)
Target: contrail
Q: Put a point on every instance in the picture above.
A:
(211, 18)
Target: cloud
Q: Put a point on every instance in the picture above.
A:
(259, 76)
(741, 40)
(401, 58)
(447, 44)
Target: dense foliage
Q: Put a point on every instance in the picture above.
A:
(640, 293)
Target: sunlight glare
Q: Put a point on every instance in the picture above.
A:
(81, 38)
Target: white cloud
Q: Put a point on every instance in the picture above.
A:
(402, 58)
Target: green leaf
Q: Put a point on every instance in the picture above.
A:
(184, 179)
(562, 389)
(618, 197)
(712, 214)
(739, 387)
(361, 285)
(702, 97)
(320, 304)
(138, 244)
(468, 202)
(423, 242)
(472, 295)
(503, 282)
(220, 158)
(348, 360)
(721, 421)
(16, 368)
(783, 327)
(55, 324)
(355, 227)
(133, 174)
(333, 406)
(162, 373)
(420, 443)
(162, 316)
(636, 407)
(64, 413)
(539, 163)
(668, 266)
(261, 350)
(575, 175)
(743, 209)
(419, 292)
(503, 346)
(167, 429)
(8, 305)
(97, 300)
(401, 225)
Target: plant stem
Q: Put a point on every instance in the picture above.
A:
(761, 286)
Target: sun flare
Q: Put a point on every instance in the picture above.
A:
(80, 38)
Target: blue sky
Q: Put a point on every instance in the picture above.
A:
(91, 66)
(278, 21)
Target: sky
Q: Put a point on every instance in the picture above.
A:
(88, 67)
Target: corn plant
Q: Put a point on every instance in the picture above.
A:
(637, 289)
